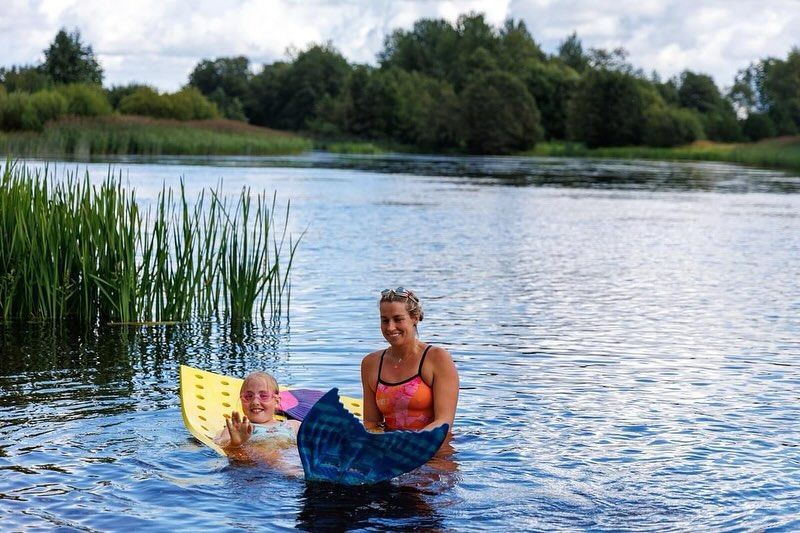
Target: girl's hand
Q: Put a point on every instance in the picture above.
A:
(239, 429)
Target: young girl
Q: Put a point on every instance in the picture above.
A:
(256, 434)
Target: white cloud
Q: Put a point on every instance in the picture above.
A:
(160, 41)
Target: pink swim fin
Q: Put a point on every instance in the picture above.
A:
(296, 403)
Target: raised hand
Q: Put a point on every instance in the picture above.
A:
(239, 429)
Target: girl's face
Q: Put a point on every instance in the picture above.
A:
(397, 326)
(259, 401)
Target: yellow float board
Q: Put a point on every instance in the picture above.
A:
(207, 397)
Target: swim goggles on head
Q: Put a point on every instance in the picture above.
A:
(399, 291)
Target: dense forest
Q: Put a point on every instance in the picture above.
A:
(443, 87)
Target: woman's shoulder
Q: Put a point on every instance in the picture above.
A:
(372, 358)
(438, 355)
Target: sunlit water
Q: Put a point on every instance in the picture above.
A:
(627, 336)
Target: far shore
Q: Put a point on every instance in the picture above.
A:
(133, 135)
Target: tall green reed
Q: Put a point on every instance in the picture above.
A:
(73, 249)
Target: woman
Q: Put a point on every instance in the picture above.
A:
(411, 384)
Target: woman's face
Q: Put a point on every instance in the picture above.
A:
(258, 400)
(397, 326)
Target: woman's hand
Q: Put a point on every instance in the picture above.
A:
(239, 429)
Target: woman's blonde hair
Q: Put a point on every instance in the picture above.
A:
(413, 305)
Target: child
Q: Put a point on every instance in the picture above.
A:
(257, 427)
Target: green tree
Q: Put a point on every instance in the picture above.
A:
(24, 78)
(431, 47)
(517, 49)
(749, 92)
(319, 71)
(499, 115)
(68, 60)
(668, 91)
(551, 85)
(570, 51)
(758, 126)
(442, 51)
(699, 92)
(782, 88)
(608, 108)
(263, 106)
(226, 82)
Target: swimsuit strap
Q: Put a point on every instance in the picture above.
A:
(419, 370)
(380, 367)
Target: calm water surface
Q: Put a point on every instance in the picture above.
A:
(627, 335)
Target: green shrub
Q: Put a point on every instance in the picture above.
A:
(190, 104)
(43, 106)
(117, 92)
(758, 126)
(186, 104)
(12, 107)
(85, 100)
(145, 102)
(669, 126)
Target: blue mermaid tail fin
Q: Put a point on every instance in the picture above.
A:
(335, 447)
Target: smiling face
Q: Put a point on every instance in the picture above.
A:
(397, 325)
(259, 399)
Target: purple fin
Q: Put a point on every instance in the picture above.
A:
(298, 402)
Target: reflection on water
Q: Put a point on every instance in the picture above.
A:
(627, 338)
(520, 171)
(329, 508)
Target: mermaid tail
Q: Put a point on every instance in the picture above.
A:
(335, 447)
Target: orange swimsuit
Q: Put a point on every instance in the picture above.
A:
(407, 404)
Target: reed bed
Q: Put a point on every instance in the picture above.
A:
(71, 249)
(120, 135)
(781, 152)
(354, 148)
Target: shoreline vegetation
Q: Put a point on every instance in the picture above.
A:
(781, 153)
(84, 137)
(70, 249)
(76, 136)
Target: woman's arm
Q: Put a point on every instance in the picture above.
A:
(445, 385)
(373, 419)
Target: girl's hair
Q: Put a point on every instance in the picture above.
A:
(413, 305)
(272, 383)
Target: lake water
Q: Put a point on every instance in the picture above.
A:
(627, 335)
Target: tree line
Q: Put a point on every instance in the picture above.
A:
(69, 82)
(471, 87)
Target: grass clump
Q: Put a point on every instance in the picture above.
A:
(354, 148)
(129, 135)
(71, 249)
(779, 152)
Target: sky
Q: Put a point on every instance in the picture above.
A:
(159, 42)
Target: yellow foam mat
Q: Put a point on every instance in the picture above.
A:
(206, 397)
